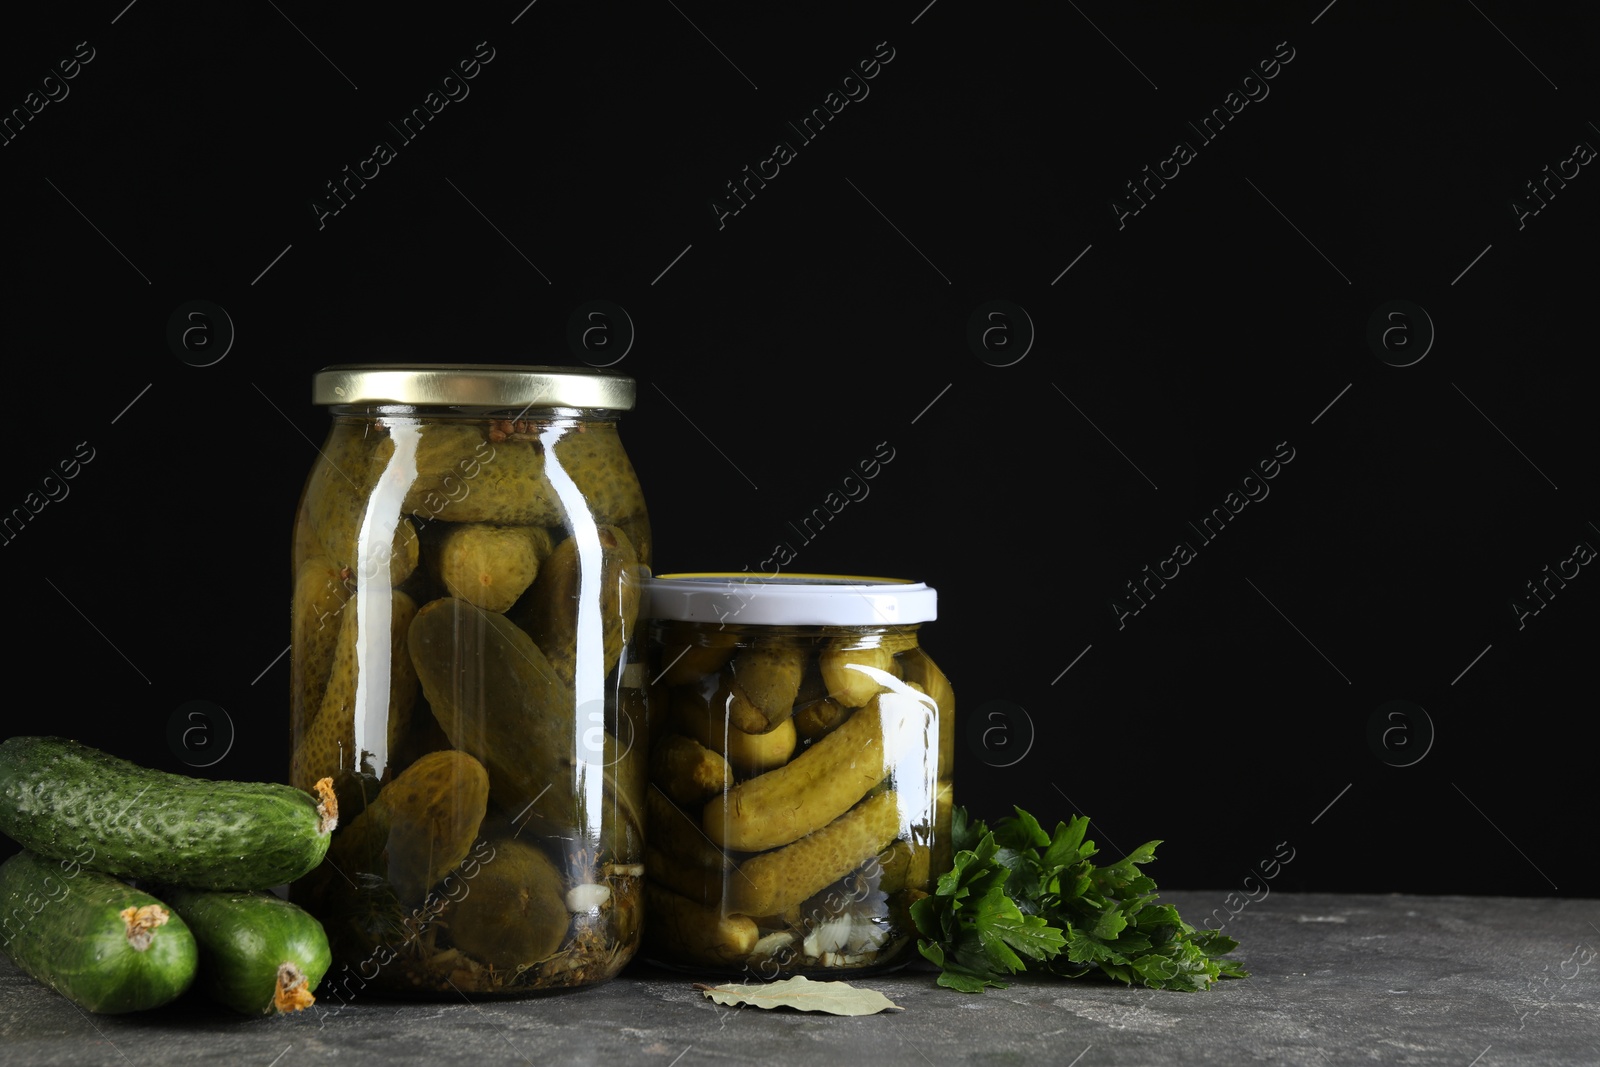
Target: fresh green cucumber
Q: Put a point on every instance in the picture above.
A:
(258, 954)
(99, 942)
(60, 798)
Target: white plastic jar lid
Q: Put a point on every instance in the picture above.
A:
(790, 600)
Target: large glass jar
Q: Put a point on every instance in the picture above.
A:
(469, 556)
(800, 771)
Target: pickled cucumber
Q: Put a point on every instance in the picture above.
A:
(594, 458)
(321, 589)
(514, 913)
(849, 686)
(686, 663)
(901, 864)
(747, 754)
(336, 498)
(763, 683)
(463, 477)
(818, 719)
(637, 530)
(306, 542)
(550, 612)
(424, 822)
(490, 566)
(337, 483)
(687, 771)
(499, 699)
(696, 933)
(774, 880)
(897, 642)
(330, 746)
(496, 697)
(922, 672)
(822, 782)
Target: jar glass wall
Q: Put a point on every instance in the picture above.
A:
(469, 556)
(800, 792)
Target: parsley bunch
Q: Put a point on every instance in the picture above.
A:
(1018, 899)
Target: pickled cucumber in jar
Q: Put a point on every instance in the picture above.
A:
(801, 775)
(491, 738)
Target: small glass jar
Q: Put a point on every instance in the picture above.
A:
(800, 771)
(469, 558)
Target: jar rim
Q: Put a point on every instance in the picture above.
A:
(488, 385)
(789, 600)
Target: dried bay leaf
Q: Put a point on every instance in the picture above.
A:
(802, 994)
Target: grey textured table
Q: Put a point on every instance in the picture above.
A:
(1449, 981)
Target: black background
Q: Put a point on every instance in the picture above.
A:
(1230, 716)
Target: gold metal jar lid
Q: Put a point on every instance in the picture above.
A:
(485, 385)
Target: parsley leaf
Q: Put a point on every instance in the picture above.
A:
(1018, 899)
